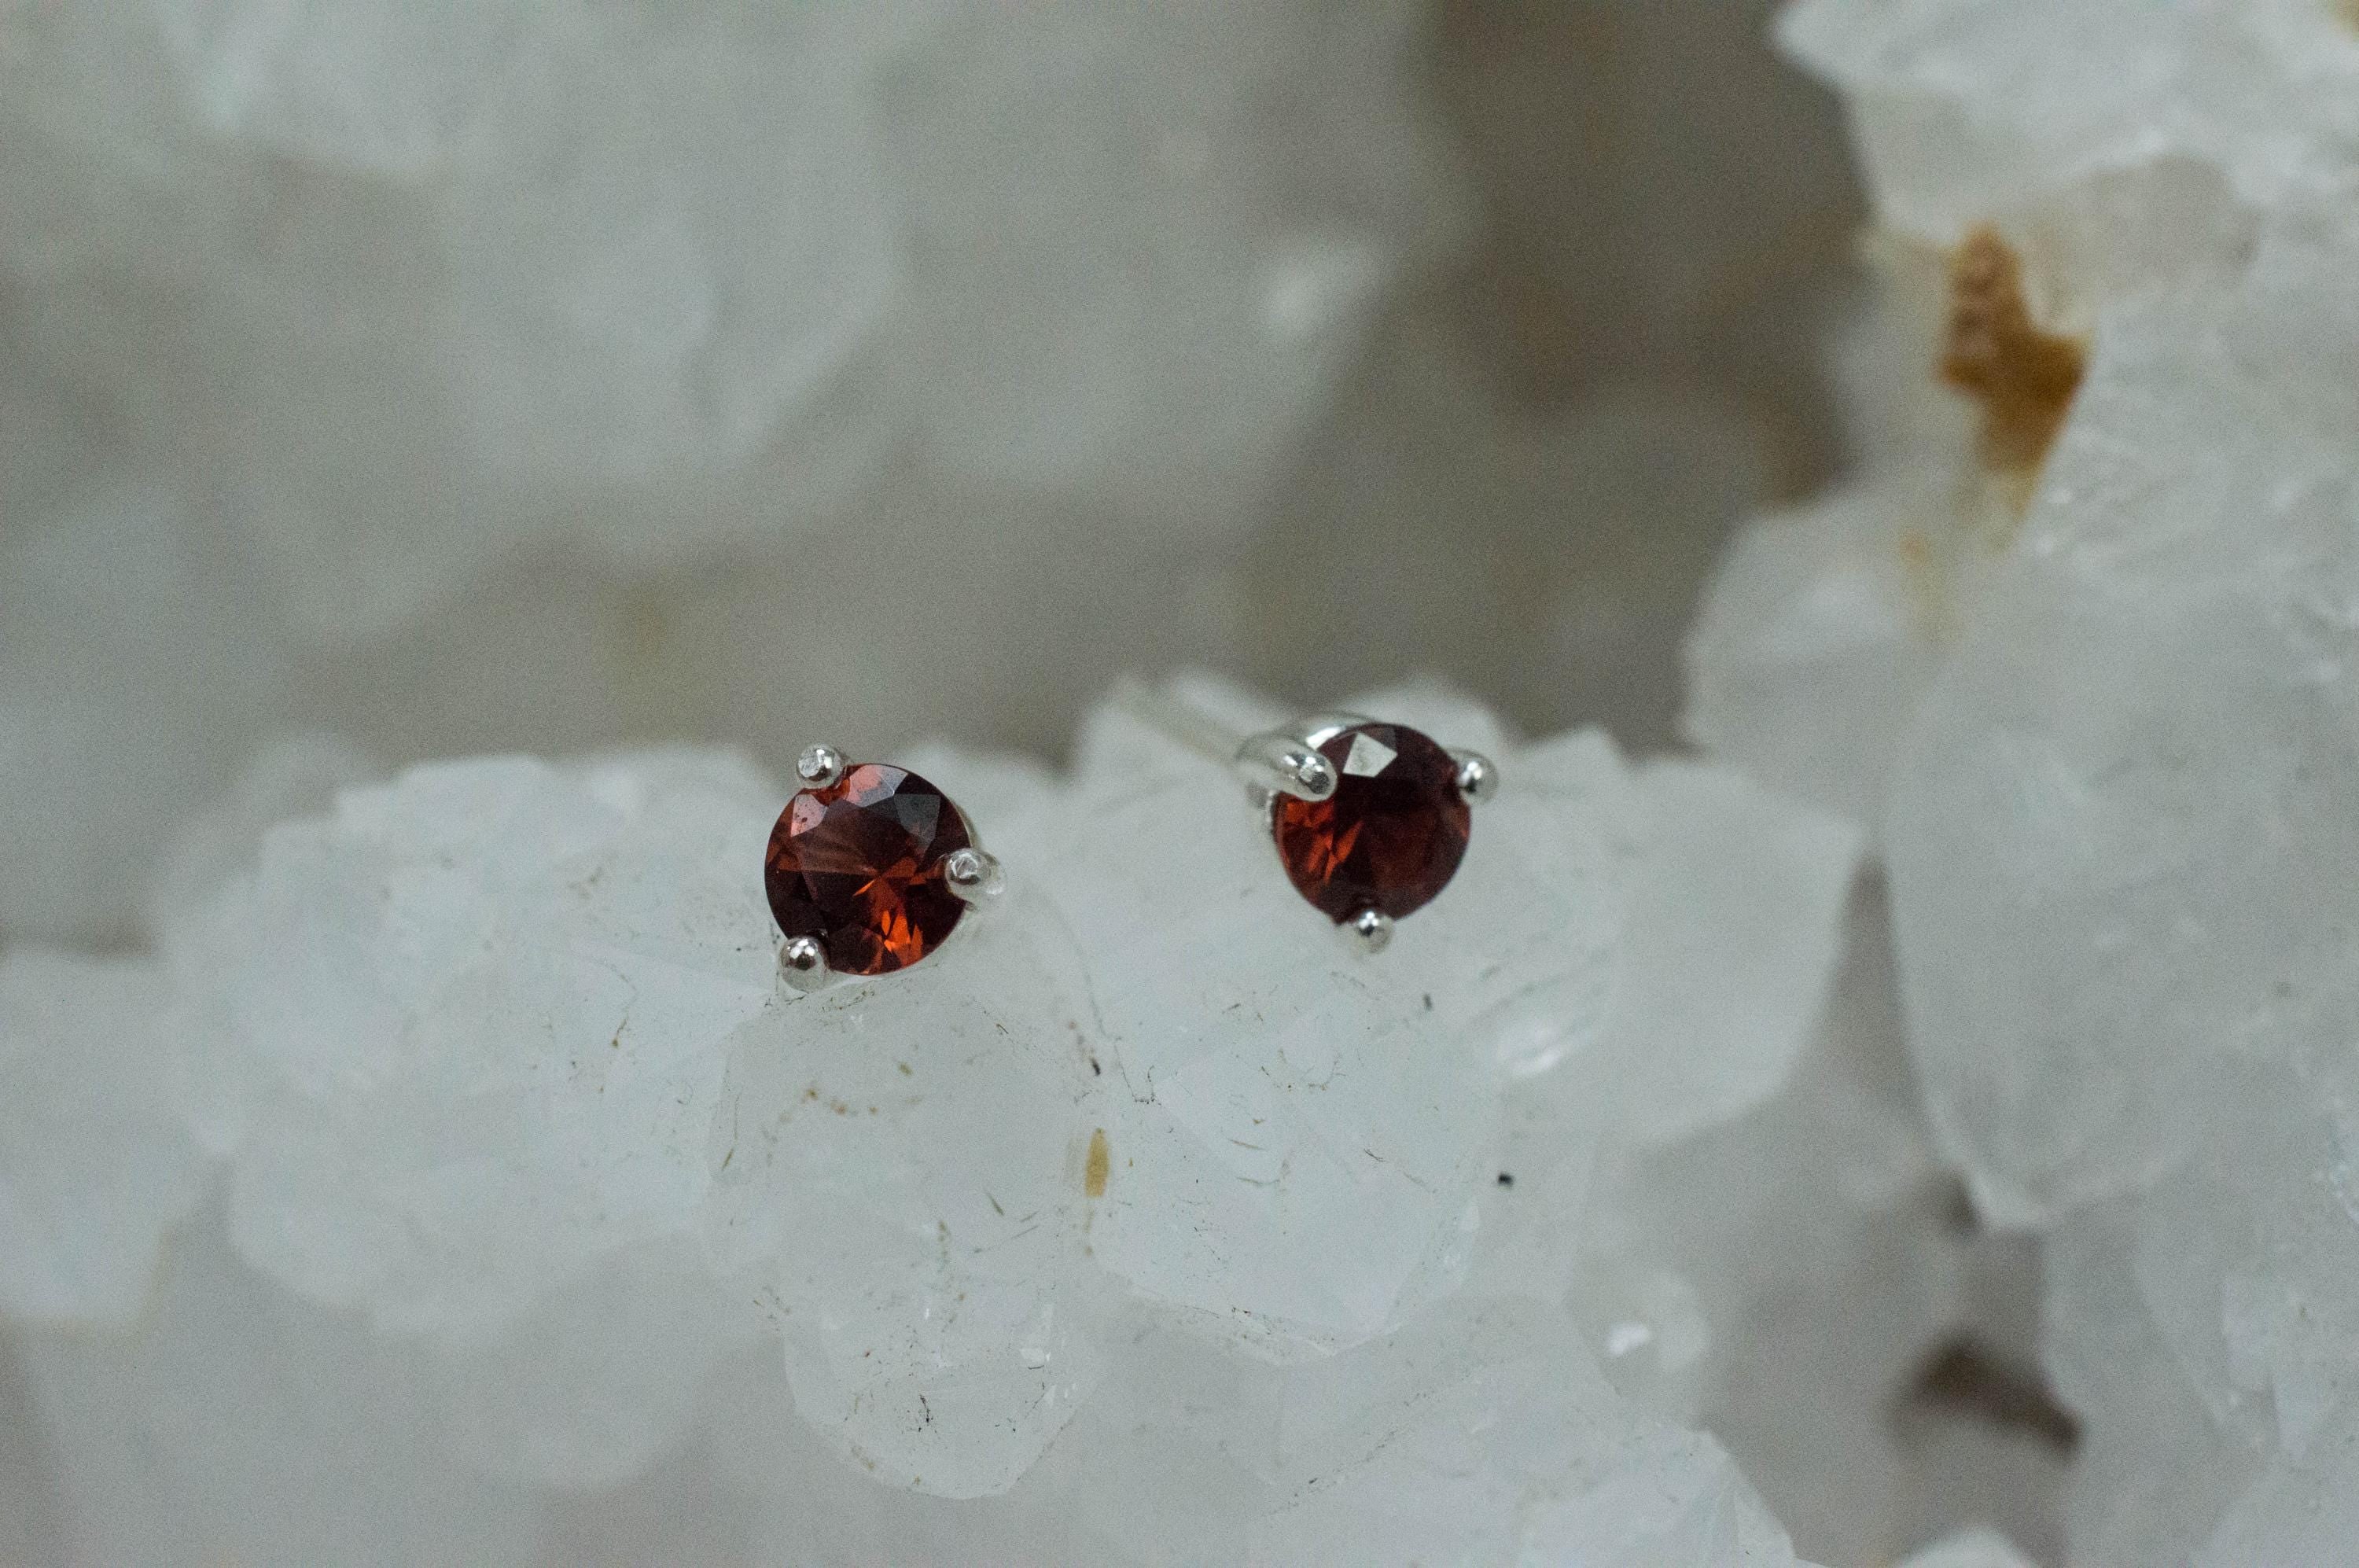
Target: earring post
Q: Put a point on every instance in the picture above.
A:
(1280, 761)
(1178, 722)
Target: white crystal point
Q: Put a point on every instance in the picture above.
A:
(2118, 839)
(476, 1025)
(905, 1173)
(95, 1164)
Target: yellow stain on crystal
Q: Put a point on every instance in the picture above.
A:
(1098, 1167)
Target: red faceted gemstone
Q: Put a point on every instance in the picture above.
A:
(859, 866)
(1392, 834)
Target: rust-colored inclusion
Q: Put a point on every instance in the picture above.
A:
(2022, 375)
(858, 865)
(1391, 836)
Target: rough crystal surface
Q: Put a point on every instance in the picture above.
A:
(557, 1203)
(1327, 1137)
(475, 1021)
(2131, 788)
(1965, 112)
(900, 1181)
(2101, 715)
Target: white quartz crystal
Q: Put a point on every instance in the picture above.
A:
(1485, 1433)
(1331, 1142)
(902, 1170)
(1816, 644)
(2116, 827)
(2113, 774)
(505, 179)
(1142, 1222)
(1963, 111)
(1481, 1433)
(1718, 1262)
(475, 1021)
(1322, 1122)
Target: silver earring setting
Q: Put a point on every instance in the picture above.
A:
(1370, 818)
(869, 869)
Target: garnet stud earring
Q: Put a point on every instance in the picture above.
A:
(869, 869)
(1370, 818)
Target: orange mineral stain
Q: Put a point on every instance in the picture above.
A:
(2023, 377)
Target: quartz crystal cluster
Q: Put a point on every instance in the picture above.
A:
(424, 1161)
(472, 1189)
(2079, 647)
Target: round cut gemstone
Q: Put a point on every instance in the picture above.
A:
(1391, 835)
(858, 866)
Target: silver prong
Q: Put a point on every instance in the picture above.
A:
(820, 768)
(1320, 728)
(802, 962)
(1478, 776)
(1283, 764)
(1370, 931)
(975, 875)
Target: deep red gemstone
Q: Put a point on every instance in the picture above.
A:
(859, 866)
(1392, 834)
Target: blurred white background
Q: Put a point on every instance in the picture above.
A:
(464, 377)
